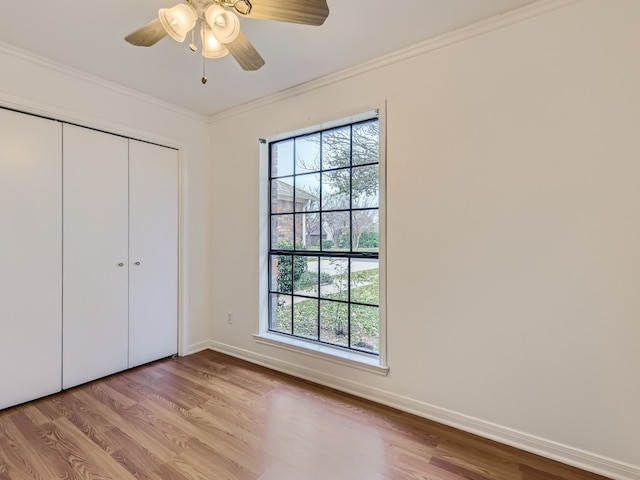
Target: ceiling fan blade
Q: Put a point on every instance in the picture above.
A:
(307, 12)
(245, 53)
(148, 35)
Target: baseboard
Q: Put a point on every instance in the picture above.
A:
(540, 446)
(200, 346)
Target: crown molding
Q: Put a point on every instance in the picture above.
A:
(482, 27)
(32, 58)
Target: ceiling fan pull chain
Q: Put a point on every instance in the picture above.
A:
(192, 45)
(204, 76)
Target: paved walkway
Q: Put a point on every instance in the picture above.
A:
(330, 288)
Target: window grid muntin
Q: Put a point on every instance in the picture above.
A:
(321, 253)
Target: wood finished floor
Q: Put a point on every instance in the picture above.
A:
(210, 416)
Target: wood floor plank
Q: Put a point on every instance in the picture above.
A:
(85, 459)
(143, 436)
(459, 456)
(86, 420)
(214, 463)
(134, 457)
(18, 464)
(7, 473)
(166, 388)
(210, 416)
(169, 471)
(47, 408)
(411, 467)
(27, 451)
(131, 389)
(34, 414)
(232, 444)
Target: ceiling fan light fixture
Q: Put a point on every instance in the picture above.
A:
(224, 23)
(211, 47)
(177, 21)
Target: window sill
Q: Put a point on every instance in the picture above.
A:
(361, 361)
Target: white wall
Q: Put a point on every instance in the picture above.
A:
(513, 163)
(34, 85)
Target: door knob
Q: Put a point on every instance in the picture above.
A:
(137, 263)
(121, 264)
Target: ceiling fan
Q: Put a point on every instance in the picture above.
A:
(220, 27)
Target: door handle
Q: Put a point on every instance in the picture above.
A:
(137, 263)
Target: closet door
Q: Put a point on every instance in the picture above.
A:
(153, 255)
(30, 257)
(95, 260)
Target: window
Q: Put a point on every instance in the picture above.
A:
(324, 236)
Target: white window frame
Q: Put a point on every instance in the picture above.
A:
(376, 364)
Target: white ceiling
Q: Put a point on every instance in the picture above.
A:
(89, 36)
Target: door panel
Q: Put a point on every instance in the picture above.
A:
(153, 265)
(95, 260)
(31, 257)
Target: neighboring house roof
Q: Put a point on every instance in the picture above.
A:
(284, 191)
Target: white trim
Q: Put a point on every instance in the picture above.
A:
(70, 116)
(353, 115)
(482, 27)
(478, 28)
(547, 448)
(382, 232)
(346, 358)
(199, 347)
(183, 254)
(16, 52)
(378, 364)
(63, 115)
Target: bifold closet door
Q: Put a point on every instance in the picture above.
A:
(30, 257)
(95, 259)
(153, 252)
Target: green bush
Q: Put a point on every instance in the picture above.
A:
(369, 239)
(343, 241)
(306, 281)
(325, 278)
(285, 280)
(309, 280)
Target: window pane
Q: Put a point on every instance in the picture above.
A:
(333, 278)
(305, 317)
(281, 280)
(281, 313)
(365, 187)
(334, 324)
(325, 201)
(308, 153)
(336, 148)
(336, 186)
(335, 231)
(282, 195)
(282, 159)
(365, 328)
(280, 271)
(308, 231)
(364, 281)
(366, 141)
(305, 276)
(307, 192)
(282, 232)
(365, 230)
